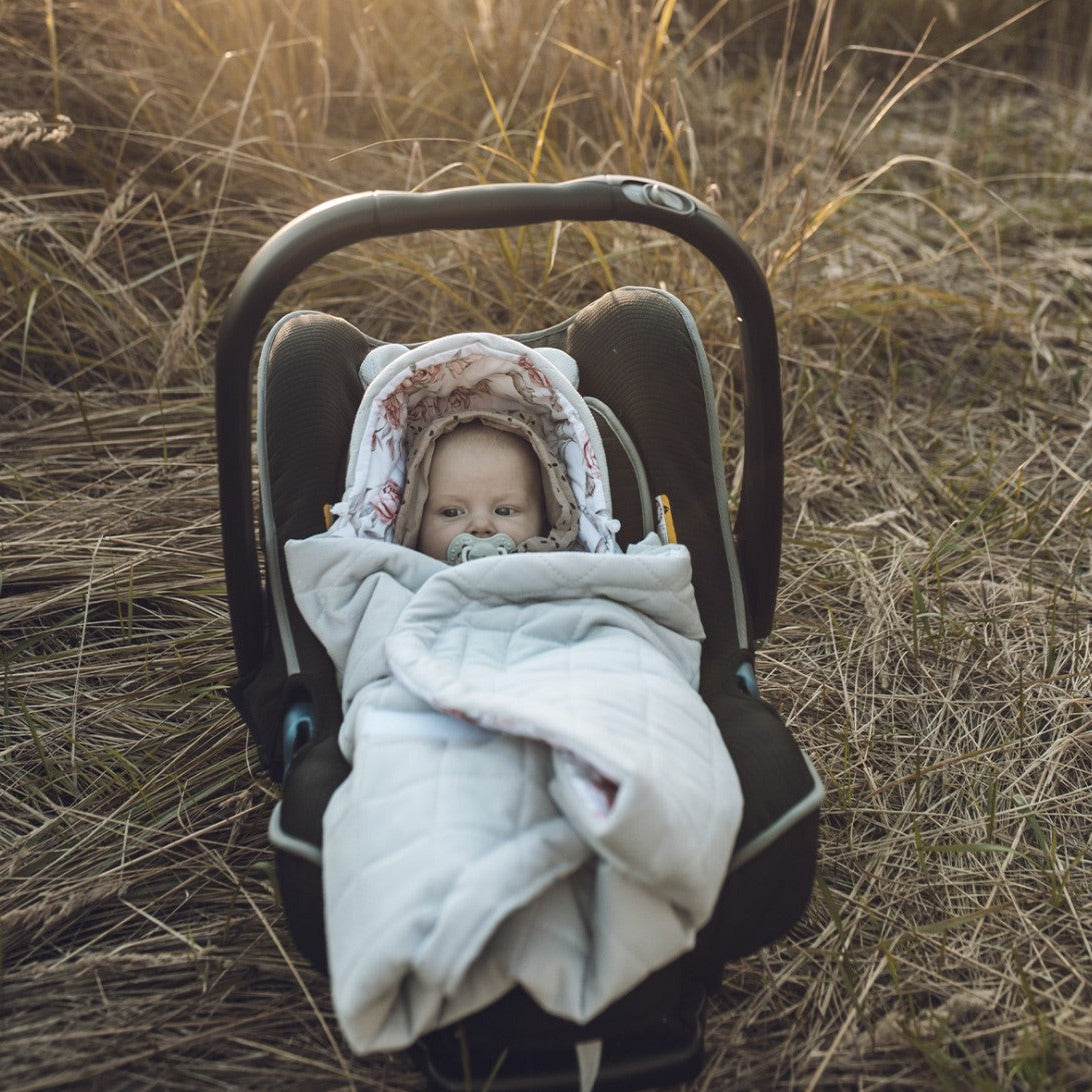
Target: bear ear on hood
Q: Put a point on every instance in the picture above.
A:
(564, 364)
(377, 360)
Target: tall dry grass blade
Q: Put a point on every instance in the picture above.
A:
(54, 58)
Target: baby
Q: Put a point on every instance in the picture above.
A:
(498, 417)
(485, 495)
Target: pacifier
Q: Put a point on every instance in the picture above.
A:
(466, 547)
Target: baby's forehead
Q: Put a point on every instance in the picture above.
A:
(474, 454)
(478, 435)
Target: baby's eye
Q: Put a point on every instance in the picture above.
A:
(450, 512)
(505, 510)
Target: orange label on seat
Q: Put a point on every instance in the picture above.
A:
(665, 524)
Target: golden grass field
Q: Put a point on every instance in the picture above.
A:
(916, 181)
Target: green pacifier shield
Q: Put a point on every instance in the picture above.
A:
(466, 547)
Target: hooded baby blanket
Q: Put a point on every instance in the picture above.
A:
(538, 796)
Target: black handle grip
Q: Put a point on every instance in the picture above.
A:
(347, 220)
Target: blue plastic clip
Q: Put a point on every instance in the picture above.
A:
(299, 725)
(745, 677)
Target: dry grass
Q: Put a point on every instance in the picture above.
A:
(922, 208)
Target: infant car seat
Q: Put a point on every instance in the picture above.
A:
(644, 372)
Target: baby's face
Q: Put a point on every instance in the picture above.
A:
(482, 481)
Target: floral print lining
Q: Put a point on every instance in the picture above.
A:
(494, 377)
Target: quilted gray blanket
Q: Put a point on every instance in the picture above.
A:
(538, 796)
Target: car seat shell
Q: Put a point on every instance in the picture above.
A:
(644, 373)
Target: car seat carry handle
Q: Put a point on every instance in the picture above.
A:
(355, 218)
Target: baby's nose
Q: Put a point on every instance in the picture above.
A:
(481, 522)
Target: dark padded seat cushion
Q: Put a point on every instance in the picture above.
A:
(312, 392)
(637, 354)
(312, 389)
